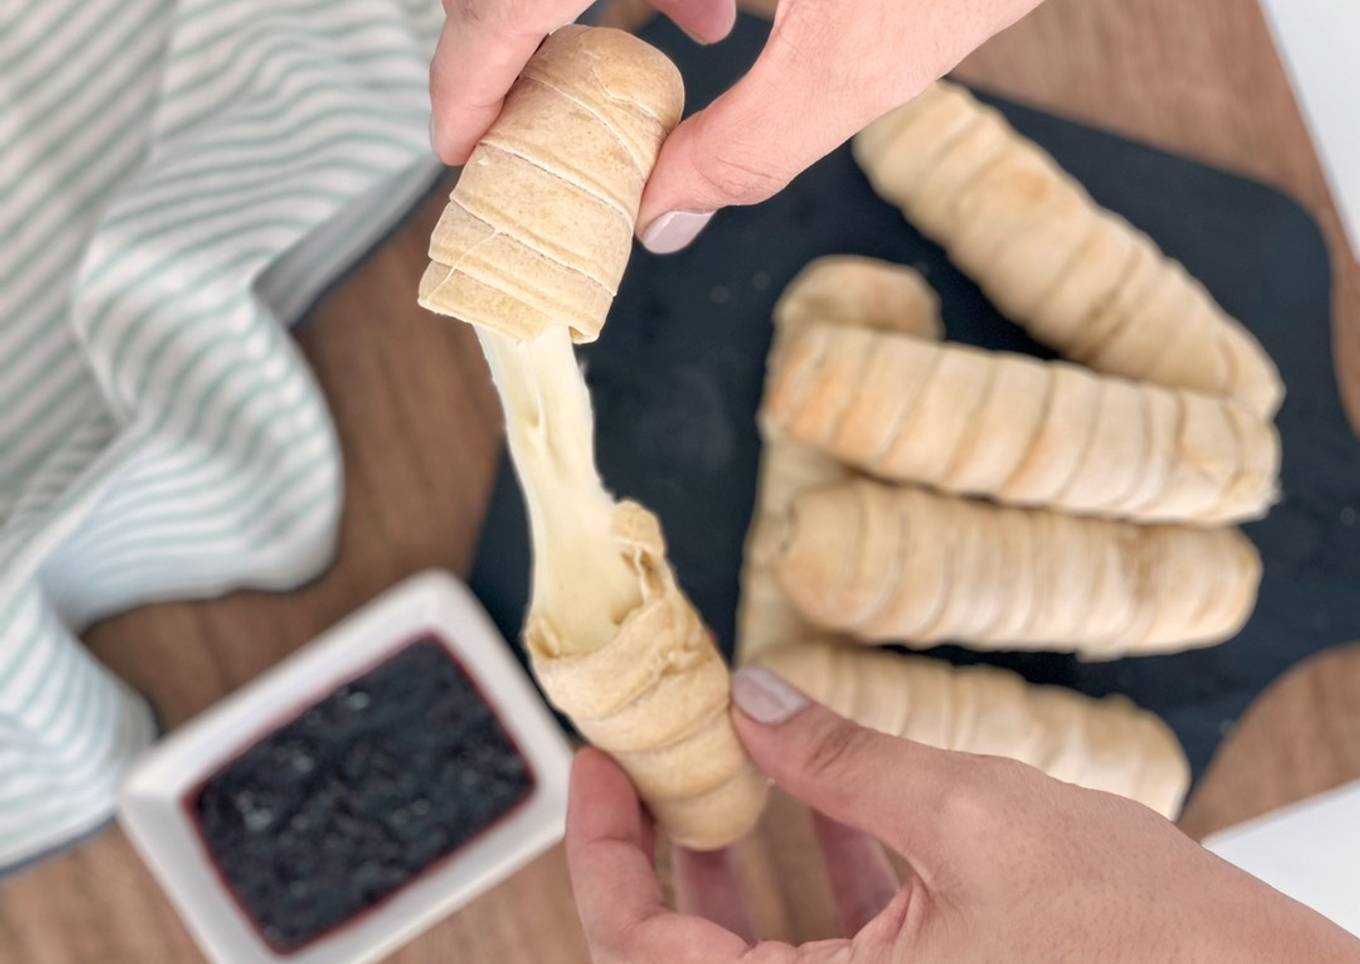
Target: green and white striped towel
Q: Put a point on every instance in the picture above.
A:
(178, 179)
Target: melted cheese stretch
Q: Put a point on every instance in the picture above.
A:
(582, 585)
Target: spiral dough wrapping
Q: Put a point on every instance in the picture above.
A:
(1022, 431)
(1078, 278)
(887, 565)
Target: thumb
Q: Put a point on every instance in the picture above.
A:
(894, 789)
(827, 70)
(797, 103)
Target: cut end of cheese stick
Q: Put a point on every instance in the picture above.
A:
(615, 643)
(1102, 744)
(833, 289)
(656, 697)
(850, 289)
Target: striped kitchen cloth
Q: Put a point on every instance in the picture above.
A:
(178, 179)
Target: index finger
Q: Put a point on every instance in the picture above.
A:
(617, 893)
(480, 53)
(611, 867)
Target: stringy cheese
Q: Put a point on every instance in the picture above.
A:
(582, 586)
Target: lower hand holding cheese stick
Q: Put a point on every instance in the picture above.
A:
(1006, 863)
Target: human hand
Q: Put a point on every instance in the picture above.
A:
(828, 69)
(1007, 864)
(486, 43)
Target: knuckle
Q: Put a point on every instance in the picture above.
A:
(509, 17)
(968, 807)
(831, 753)
(437, 78)
(737, 176)
(471, 11)
(624, 945)
(988, 795)
(485, 14)
(846, 56)
(803, 27)
(771, 952)
(1004, 771)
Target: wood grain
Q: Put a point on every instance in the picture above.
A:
(419, 427)
(1300, 737)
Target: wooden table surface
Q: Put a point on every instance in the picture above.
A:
(419, 427)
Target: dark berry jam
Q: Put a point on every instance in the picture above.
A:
(335, 811)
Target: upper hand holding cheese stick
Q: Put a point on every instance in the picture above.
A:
(827, 70)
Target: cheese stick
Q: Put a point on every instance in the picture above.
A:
(1020, 430)
(1078, 278)
(906, 565)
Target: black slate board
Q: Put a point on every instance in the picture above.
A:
(677, 378)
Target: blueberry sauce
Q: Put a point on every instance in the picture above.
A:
(336, 810)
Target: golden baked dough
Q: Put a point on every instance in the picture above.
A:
(1020, 430)
(536, 236)
(903, 564)
(851, 289)
(538, 229)
(1076, 277)
(1103, 744)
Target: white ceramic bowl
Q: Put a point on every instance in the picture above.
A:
(152, 807)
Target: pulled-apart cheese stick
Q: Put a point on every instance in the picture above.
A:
(530, 249)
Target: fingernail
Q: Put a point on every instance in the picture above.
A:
(674, 230)
(695, 37)
(765, 697)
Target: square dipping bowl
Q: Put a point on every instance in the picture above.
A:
(158, 806)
